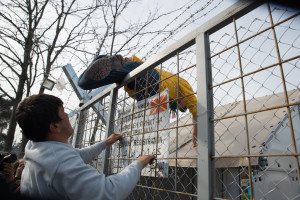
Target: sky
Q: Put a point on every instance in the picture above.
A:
(137, 12)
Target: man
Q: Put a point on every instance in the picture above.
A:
(9, 183)
(18, 169)
(105, 70)
(54, 169)
(6, 175)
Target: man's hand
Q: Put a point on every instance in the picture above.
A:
(8, 171)
(20, 168)
(146, 159)
(195, 133)
(194, 137)
(112, 139)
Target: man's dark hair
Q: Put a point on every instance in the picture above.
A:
(35, 114)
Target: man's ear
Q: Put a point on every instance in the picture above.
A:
(53, 128)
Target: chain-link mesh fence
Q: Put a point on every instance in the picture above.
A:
(91, 128)
(253, 96)
(254, 63)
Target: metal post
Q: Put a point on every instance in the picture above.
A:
(79, 129)
(81, 94)
(177, 122)
(77, 124)
(205, 127)
(110, 127)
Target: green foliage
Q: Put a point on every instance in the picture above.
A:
(245, 196)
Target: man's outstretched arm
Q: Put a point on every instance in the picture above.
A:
(89, 153)
(195, 132)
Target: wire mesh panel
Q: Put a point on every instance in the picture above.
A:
(254, 65)
(156, 114)
(233, 85)
(148, 117)
(92, 128)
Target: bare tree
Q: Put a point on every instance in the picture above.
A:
(123, 38)
(33, 34)
(5, 111)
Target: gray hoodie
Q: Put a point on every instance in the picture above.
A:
(55, 170)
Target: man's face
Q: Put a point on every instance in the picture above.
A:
(127, 59)
(181, 106)
(65, 125)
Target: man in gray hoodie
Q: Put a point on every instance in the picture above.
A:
(54, 169)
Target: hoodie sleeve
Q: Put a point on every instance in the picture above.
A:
(84, 182)
(89, 153)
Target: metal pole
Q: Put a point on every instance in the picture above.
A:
(157, 134)
(79, 131)
(74, 139)
(205, 126)
(110, 127)
(245, 110)
(177, 121)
